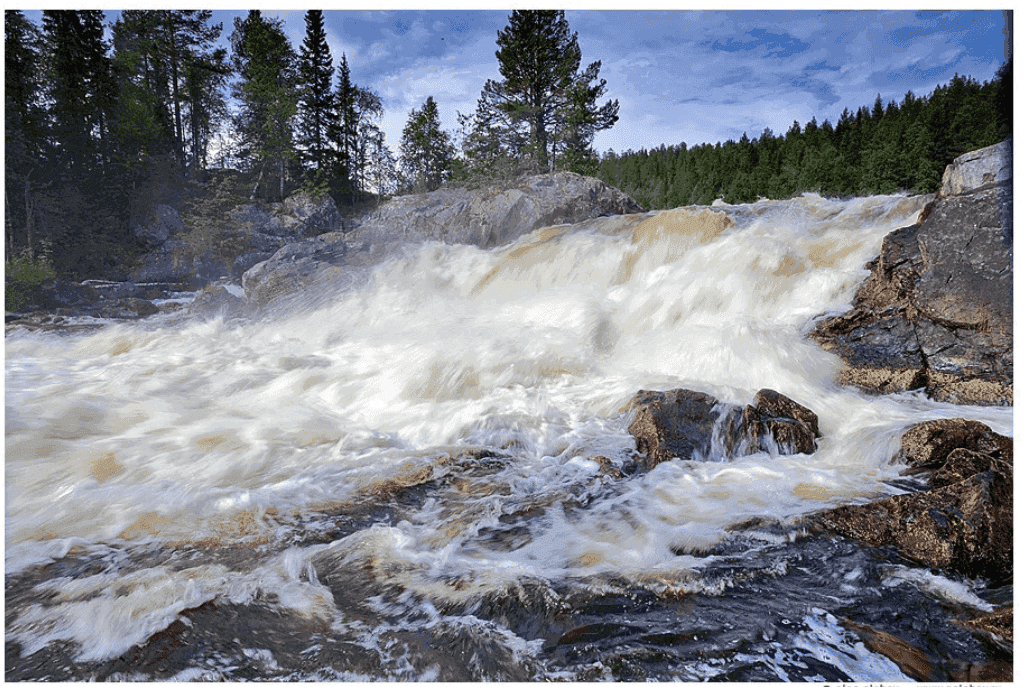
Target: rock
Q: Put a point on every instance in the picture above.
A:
(964, 521)
(492, 217)
(215, 301)
(293, 268)
(691, 425)
(928, 445)
(998, 622)
(246, 261)
(169, 262)
(160, 226)
(971, 171)
(316, 214)
(936, 311)
(485, 218)
(910, 659)
(58, 293)
(301, 215)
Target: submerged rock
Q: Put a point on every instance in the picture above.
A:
(696, 426)
(964, 521)
(937, 310)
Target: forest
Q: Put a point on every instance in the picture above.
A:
(887, 148)
(104, 121)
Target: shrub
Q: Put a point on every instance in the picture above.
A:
(22, 274)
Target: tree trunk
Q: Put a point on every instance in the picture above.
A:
(252, 195)
(29, 226)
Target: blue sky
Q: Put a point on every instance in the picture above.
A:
(679, 76)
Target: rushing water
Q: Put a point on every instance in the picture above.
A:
(428, 475)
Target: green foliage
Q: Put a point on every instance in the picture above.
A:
(544, 112)
(315, 186)
(22, 274)
(267, 65)
(883, 149)
(316, 98)
(427, 150)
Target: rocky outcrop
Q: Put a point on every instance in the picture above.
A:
(492, 217)
(963, 521)
(180, 262)
(695, 426)
(254, 232)
(481, 217)
(163, 223)
(937, 310)
(294, 267)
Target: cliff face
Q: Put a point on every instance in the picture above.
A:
(937, 310)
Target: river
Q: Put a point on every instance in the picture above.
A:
(428, 474)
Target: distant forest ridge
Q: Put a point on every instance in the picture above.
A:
(883, 149)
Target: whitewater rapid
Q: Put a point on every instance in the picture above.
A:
(495, 381)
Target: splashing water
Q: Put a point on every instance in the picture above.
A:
(433, 459)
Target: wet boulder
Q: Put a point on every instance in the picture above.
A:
(216, 301)
(691, 425)
(936, 312)
(963, 521)
(295, 267)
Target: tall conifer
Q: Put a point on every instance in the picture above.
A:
(316, 98)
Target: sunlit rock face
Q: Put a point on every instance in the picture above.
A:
(937, 310)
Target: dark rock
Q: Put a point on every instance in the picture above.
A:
(964, 522)
(772, 404)
(162, 224)
(695, 426)
(928, 445)
(124, 309)
(58, 293)
(672, 424)
(170, 262)
(937, 310)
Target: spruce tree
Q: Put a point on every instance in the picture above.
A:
(23, 129)
(265, 61)
(342, 130)
(542, 97)
(316, 98)
(427, 151)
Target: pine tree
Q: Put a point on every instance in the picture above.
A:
(342, 129)
(541, 95)
(427, 151)
(316, 98)
(80, 85)
(265, 61)
(23, 129)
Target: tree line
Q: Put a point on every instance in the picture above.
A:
(883, 149)
(100, 130)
